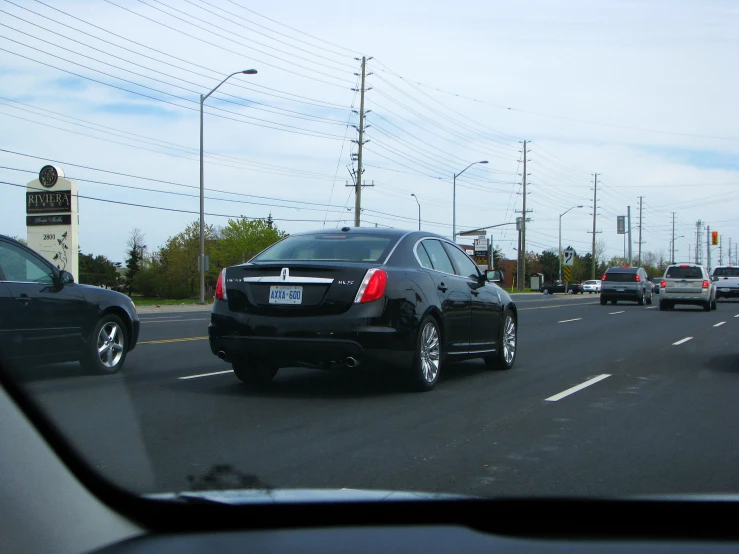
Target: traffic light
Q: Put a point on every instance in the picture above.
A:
(714, 238)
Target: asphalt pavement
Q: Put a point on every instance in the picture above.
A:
(603, 400)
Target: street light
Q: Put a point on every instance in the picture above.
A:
(419, 210)
(454, 200)
(560, 241)
(202, 189)
(672, 246)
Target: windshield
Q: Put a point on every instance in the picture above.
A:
(684, 273)
(391, 246)
(726, 272)
(329, 247)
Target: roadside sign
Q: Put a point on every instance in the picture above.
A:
(566, 272)
(569, 257)
(621, 224)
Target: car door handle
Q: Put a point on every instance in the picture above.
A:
(23, 299)
(475, 292)
(442, 287)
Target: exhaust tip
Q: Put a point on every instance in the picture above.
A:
(351, 362)
(222, 355)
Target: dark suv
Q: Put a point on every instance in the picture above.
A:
(625, 283)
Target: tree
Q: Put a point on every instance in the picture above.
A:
(549, 261)
(135, 253)
(97, 270)
(498, 256)
(241, 239)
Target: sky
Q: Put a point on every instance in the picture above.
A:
(643, 94)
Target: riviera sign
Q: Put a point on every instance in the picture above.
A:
(55, 234)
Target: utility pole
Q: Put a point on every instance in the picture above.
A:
(698, 249)
(720, 253)
(729, 254)
(522, 251)
(595, 212)
(360, 142)
(628, 215)
(708, 248)
(640, 208)
(673, 238)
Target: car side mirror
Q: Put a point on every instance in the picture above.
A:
(494, 275)
(714, 278)
(65, 278)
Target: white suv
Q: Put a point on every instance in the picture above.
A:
(726, 279)
(687, 284)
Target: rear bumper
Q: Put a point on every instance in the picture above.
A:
(723, 292)
(685, 298)
(325, 341)
(627, 294)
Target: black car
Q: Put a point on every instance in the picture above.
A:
(335, 299)
(572, 288)
(45, 317)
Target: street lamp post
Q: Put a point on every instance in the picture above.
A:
(419, 210)
(454, 199)
(202, 188)
(560, 241)
(672, 247)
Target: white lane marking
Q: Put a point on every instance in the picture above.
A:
(173, 320)
(614, 313)
(579, 387)
(719, 324)
(737, 315)
(206, 374)
(651, 307)
(568, 320)
(686, 339)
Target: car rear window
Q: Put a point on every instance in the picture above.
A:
(341, 247)
(621, 277)
(589, 283)
(726, 272)
(684, 273)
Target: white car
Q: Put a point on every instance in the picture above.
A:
(591, 286)
(726, 279)
(687, 284)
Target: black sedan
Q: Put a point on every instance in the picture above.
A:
(339, 299)
(572, 288)
(45, 317)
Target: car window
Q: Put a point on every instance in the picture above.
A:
(439, 259)
(620, 277)
(343, 247)
(464, 266)
(677, 272)
(424, 257)
(18, 265)
(726, 272)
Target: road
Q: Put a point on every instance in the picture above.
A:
(603, 400)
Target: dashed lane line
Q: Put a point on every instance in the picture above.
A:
(576, 388)
(205, 375)
(568, 320)
(165, 341)
(614, 313)
(682, 341)
(719, 324)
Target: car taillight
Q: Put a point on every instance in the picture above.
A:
(372, 287)
(662, 284)
(705, 284)
(221, 286)
(604, 276)
(638, 278)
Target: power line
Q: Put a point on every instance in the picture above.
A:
(296, 130)
(228, 49)
(310, 101)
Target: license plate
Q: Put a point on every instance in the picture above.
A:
(725, 290)
(285, 294)
(620, 290)
(682, 284)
